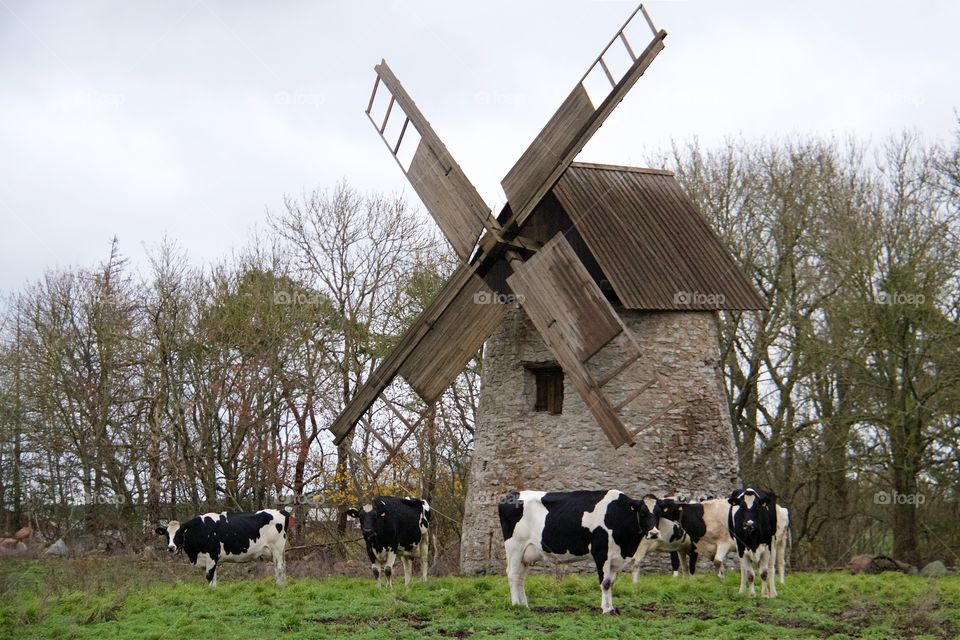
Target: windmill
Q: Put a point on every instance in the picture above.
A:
(574, 243)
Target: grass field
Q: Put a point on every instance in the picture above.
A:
(111, 598)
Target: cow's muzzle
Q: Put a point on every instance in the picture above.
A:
(748, 526)
(653, 534)
(172, 548)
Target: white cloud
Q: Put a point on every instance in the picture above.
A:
(191, 118)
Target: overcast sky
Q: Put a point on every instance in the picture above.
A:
(192, 118)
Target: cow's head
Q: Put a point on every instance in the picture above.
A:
(370, 517)
(645, 517)
(671, 508)
(173, 533)
(756, 509)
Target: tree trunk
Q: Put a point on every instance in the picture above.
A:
(906, 462)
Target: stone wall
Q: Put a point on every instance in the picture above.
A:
(690, 450)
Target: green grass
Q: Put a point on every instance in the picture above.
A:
(106, 598)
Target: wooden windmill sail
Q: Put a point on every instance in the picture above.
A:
(507, 255)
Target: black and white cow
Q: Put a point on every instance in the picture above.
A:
(606, 525)
(753, 524)
(705, 522)
(673, 540)
(213, 538)
(394, 527)
(782, 541)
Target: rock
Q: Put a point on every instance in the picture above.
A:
(860, 563)
(21, 547)
(8, 542)
(23, 533)
(934, 569)
(904, 567)
(879, 564)
(148, 553)
(866, 563)
(58, 548)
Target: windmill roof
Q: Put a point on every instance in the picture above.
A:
(650, 240)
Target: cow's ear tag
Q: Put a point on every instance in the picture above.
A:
(680, 509)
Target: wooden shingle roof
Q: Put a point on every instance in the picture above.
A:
(655, 248)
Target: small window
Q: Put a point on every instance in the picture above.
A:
(549, 389)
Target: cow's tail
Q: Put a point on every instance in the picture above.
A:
(510, 511)
(787, 547)
(426, 510)
(288, 520)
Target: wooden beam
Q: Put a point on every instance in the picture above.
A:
(381, 377)
(399, 444)
(469, 209)
(649, 423)
(574, 330)
(626, 364)
(634, 395)
(524, 188)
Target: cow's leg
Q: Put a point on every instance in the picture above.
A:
(279, 563)
(693, 561)
(747, 564)
(388, 568)
(683, 561)
(769, 575)
(637, 558)
(744, 571)
(211, 566)
(763, 570)
(782, 555)
(719, 557)
(424, 557)
(599, 549)
(675, 563)
(606, 589)
(377, 572)
(407, 569)
(516, 572)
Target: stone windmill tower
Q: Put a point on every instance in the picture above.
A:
(598, 288)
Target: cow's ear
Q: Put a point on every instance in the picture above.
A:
(353, 513)
(734, 498)
(381, 507)
(161, 531)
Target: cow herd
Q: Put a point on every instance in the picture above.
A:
(609, 527)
